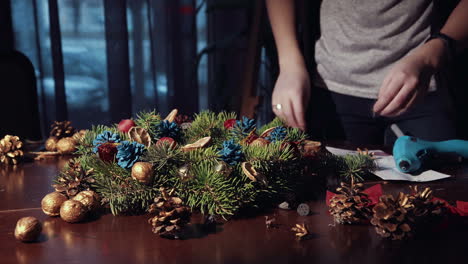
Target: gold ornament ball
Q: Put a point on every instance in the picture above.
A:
(51, 203)
(89, 199)
(51, 144)
(28, 229)
(66, 145)
(73, 211)
(142, 172)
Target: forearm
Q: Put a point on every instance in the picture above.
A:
(457, 25)
(282, 20)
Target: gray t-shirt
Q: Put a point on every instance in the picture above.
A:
(361, 39)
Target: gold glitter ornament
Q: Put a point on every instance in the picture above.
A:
(51, 203)
(78, 136)
(66, 145)
(142, 172)
(73, 211)
(90, 199)
(28, 229)
(51, 144)
(10, 149)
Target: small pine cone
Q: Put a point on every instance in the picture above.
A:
(350, 205)
(171, 215)
(61, 129)
(74, 179)
(391, 217)
(10, 150)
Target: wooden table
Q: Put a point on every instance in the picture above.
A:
(128, 239)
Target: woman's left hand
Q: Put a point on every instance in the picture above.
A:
(408, 80)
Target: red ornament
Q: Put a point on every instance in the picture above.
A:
(166, 140)
(229, 124)
(107, 151)
(180, 119)
(125, 125)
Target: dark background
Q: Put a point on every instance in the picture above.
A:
(100, 61)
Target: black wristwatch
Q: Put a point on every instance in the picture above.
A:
(450, 44)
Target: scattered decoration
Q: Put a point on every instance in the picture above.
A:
(74, 179)
(303, 209)
(107, 151)
(89, 199)
(277, 134)
(128, 153)
(125, 125)
(301, 231)
(284, 205)
(172, 115)
(142, 172)
(182, 119)
(61, 129)
(28, 229)
(270, 222)
(140, 135)
(229, 124)
(231, 153)
(350, 205)
(365, 152)
(73, 211)
(184, 173)
(51, 144)
(260, 142)
(10, 150)
(167, 129)
(253, 174)
(201, 143)
(52, 202)
(171, 215)
(66, 145)
(223, 168)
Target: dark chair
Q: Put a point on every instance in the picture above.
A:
(19, 111)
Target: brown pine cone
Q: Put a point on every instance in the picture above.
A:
(74, 179)
(10, 149)
(61, 129)
(171, 215)
(399, 218)
(350, 205)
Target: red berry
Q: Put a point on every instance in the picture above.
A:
(229, 124)
(167, 140)
(107, 151)
(125, 125)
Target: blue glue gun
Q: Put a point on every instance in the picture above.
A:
(409, 152)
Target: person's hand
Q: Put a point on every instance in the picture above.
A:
(292, 94)
(408, 80)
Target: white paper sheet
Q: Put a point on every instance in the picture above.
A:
(386, 168)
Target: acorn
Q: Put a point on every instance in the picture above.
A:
(66, 145)
(51, 203)
(73, 211)
(89, 199)
(142, 172)
(51, 144)
(28, 229)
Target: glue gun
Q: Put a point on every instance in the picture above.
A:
(410, 152)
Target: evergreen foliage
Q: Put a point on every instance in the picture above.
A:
(200, 184)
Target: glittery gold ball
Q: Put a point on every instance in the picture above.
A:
(73, 211)
(28, 229)
(142, 172)
(51, 203)
(66, 145)
(89, 199)
(51, 144)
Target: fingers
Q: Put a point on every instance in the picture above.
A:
(299, 113)
(386, 94)
(400, 101)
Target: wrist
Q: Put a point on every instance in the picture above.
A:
(436, 53)
(294, 63)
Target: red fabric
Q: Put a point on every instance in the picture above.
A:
(373, 192)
